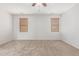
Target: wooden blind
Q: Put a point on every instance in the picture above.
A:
(55, 24)
(23, 24)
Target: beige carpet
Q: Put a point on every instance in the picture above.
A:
(38, 48)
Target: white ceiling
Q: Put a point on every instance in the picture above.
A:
(27, 8)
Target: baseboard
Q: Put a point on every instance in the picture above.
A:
(4, 41)
(36, 39)
(71, 43)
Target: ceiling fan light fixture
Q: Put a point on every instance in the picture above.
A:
(33, 4)
(44, 4)
(39, 4)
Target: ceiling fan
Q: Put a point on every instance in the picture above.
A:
(39, 4)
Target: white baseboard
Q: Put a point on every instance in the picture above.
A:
(36, 39)
(71, 43)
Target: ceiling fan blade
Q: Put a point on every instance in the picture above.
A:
(33, 4)
(44, 4)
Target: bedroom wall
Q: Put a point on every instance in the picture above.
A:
(70, 26)
(39, 27)
(5, 27)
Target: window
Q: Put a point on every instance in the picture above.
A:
(55, 24)
(23, 24)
